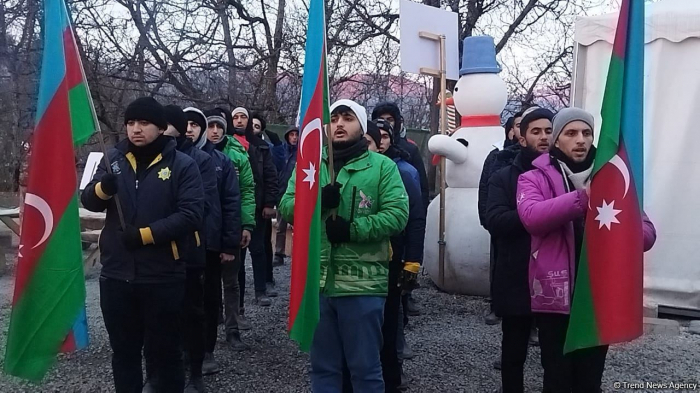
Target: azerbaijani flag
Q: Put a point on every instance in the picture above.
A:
(48, 309)
(306, 253)
(607, 304)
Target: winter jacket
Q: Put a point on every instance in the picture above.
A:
(225, 229)
(289, 162)
(196, 257)
(409, 243)
(167, 198)
(237, 153)
(497, 159)
(547, 211)
(416, 160)
(374, 200)
(510, 292)
(264, 173)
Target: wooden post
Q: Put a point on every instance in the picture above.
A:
(442, 74)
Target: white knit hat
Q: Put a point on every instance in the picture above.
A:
(359, 110)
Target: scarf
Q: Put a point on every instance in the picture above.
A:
(578, 173)
(146, 154)
(527, 156)
(394, 152)
(346, 151)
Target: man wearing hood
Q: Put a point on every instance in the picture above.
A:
(223, 234)
(361, 210)
(266, 193)
(407, 248)
(510, 298)
(218, 134)
(143, 276)
(552, 204)
(288, 152)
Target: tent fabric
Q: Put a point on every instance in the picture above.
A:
(671, 20)
(672, 163)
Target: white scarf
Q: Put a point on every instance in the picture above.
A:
(579, 180)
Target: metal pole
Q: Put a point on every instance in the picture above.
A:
(443, 128)
(331, 168)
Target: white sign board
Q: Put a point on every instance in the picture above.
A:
(419, 52)
(90, 168)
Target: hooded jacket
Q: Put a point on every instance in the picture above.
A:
(497, 159)
(238, 155)
(167, 197)
(374, 200)
(409, 243)
(288, 156)
(224, 232)
(264, 173)
(547, 212)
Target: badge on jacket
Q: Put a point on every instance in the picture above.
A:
(164, 174)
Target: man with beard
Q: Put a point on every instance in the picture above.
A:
(510, 295)
(362, 210)
(552, 203)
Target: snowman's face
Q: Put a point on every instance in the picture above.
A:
(480, 94)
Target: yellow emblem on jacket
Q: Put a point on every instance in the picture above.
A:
(164, 174)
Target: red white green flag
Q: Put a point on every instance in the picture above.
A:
(607, 304)
(306, 253)
(48, 309)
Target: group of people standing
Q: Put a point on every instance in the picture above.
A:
(534, 206)
(189, 193)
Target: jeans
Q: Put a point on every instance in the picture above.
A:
(212, 299)
(516, 336)
(580, 371)
(138, 313)
(232, 293)
(349, 332)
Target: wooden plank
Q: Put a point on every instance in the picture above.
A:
(10, 223)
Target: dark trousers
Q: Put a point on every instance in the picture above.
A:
(580, 371)
(492, 270)
(194, 320)
(257, 255)
(516, 335)
(212, 299)
(391, 368)
(268, 251)
(134, 314)
(232, 305)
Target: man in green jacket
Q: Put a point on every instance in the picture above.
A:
(371, 205)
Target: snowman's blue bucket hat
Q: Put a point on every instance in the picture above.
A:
(479, 56)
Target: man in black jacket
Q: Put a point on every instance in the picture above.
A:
(266, 192)
(511, 291)
(142, 283)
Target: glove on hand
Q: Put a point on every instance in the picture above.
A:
(109, 185)
(338, 230)
(330, 196)
(132, 237)
(409, 276)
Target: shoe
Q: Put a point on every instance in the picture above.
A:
(195, 385)
(149, 387)
(243, 323)
(497, 364)
(534, 338)
(278, 260)
(235, 343)
(210, 365)
(407, 352)
(492, 319)
(412, 307)
(261, 299)
(271, 291)
(404, 382)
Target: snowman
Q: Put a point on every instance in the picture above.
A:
(479, 96)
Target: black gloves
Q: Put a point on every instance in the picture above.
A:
(409, 276)
(338, 230)
(132, 237)
(108, 182)
(330, 196)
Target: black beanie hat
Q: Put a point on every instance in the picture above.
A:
(392, 109)
(373, 131)
(263, 123)
(146, 108)
(385, 126)
(509, 124)
(536, 114)
(176, 117)
(198, 117)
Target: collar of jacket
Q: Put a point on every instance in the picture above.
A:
(123, 146)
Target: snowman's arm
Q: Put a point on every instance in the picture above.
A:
(448, 147)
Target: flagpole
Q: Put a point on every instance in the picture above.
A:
(331, 168)
(108, 164)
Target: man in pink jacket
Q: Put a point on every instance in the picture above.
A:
(552, 202)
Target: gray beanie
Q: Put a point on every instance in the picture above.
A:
(566, 116)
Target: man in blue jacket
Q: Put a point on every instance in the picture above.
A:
(407, 249)
(288, 153)
(142, 283)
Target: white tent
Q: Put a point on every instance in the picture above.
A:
(672, 133)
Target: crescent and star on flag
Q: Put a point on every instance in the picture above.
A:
(607, 214)
(313, 126)
(44, 209)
